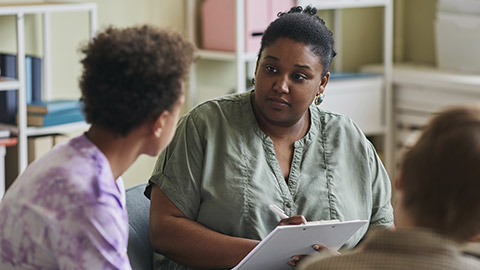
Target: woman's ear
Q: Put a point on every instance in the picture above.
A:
(159, 123)
(323, 83)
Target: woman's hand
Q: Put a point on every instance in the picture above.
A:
(295, 220)
(317, 247)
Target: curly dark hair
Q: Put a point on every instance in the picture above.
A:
(132, 75)
(305, 26)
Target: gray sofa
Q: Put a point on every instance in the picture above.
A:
(139, 250)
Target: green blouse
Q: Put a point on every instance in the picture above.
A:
(221, 171)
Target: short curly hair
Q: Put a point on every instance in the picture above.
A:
(132, 75)
(305, 26)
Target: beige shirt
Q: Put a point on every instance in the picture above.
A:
(401, 249)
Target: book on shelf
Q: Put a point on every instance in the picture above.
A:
(54, 106)
(28, 80)
(36, 79)
(340, 75)
(8, 98)
(52, 119)
(33, 84)
(44, 120)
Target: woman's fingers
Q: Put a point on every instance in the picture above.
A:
(295, 259)
(295, 220)
(322, 248)
(317, 247)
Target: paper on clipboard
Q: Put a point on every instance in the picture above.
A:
(283, 242)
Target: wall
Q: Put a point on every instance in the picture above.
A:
(414, 36)
(110, 12)
(418, 31)
(362, 35)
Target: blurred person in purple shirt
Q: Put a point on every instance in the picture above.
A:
(67, 210)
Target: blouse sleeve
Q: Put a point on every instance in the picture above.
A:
(382, 211)
(178, 170)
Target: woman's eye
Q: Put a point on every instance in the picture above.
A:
(299, 77)
(271, 69)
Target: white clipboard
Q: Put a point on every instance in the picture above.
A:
(277, 249)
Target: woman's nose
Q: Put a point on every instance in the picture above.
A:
(281, 84)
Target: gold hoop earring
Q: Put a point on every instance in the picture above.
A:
(319, 99)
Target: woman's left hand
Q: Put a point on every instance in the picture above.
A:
(317, 247)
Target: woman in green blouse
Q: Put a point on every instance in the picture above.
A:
(234, 156)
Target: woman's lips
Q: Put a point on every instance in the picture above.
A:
(278, 103)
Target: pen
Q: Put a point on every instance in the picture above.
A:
(279, 212)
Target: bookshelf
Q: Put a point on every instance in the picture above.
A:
(374, 116)
(421, 91)
(19, 10)
(239, 56)
(377, 103)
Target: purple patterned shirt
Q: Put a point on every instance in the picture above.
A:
(65, 212)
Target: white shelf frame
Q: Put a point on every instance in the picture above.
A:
(45, 9)
(36, 131)
(8, 84)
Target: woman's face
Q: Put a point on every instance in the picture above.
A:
(288, 75)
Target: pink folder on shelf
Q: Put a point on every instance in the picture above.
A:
(218, 22)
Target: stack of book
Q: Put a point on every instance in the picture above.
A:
(54, 112)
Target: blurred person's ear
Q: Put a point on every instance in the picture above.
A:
(476, 238)
(398, 183)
